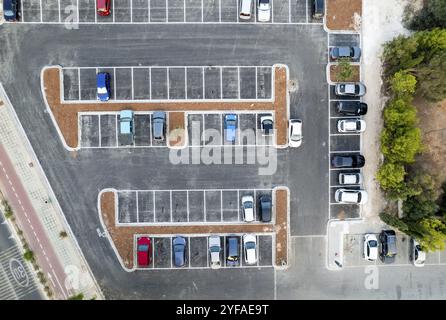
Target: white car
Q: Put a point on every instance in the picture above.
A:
(351, 125)
(418, 255)
(214, 251)
(351, 196)
(370, 247)
(295, 132)
(248, 208)
(250, 248)
(264, 10)
(350, 178)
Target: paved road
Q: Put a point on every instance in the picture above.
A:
(22, 286)
(29, 222)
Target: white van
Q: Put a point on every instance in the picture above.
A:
(245, 9)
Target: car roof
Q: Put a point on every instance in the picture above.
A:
(350, 177)
(348, 195)
(126, 114)
(344, 51)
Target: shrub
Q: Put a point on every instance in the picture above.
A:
(401, 148)
(403, 84)
(391, 176)
(344, 70)
(79, 296)
(399, 114)
(29, 255)
(393, 221)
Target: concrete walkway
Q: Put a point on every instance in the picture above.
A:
(38, 211)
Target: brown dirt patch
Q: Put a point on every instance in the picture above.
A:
(281, 227)
(334, 70)
(432, 121)
(66, 114)
(343, 14)
(177, 129)
(122, 236)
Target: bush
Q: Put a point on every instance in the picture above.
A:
(401, 148)
(399, 114)
(434, 234)
(422, 203)
(63, 234)
(432, 15)
(391, 176)
(79, 296)
(432, 78)
(344, 70)
(393, 221)
(403, 85)
(29, 256)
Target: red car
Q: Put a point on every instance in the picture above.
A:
(103, 7)
(144, 251)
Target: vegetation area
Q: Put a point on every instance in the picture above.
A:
(414, 66)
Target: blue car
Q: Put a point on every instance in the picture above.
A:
(11, 10)
(103, 86)
(230, 127)
(179, 251)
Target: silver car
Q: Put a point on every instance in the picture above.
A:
(352, 89)
(345, 52)
(214, 251)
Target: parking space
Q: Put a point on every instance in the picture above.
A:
(185, 206)
(197, 253)
(171, 83)
(210, 130)
(162, 11)
(101, 130)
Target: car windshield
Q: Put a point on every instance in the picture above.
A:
(215, 249)
(295, 136)
(250, 245)
(143, 247)
(267, 124)
(231, 123)
(9, 13)
(179, 248)
(102, 90)
(373, 243)
(248, 204)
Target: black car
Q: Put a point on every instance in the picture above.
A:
(318, 9)
(351, 108)
(347, 161)
(232, 251)
(265, 208)
(11, 10)
(388, 246)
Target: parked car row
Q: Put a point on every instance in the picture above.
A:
(265, 207)
(388, 250)
(158, 125)
(179, 256)
(345, 195)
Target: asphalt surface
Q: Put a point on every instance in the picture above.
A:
(77, 178)
(16, 279)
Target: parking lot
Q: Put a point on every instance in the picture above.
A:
(208, 130)
(184, 206)
(160, 11)
(172, 83)
(354, 250)
(197, 253)
(341, 143)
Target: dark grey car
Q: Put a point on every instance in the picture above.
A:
(345, 52)
(388, 246)
(179, 251)
(265, 208)
(159, 125)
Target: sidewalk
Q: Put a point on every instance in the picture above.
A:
(38, 212)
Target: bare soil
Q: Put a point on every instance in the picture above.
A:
(177, 129)
(334, 70)
(122, 236)
(66, 114)
(432, 121)
(343, 15)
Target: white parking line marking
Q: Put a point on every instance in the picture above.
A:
(137, 206)
(221, 205)
(204, 85)
(154, 208)
(256, 84)
(99, 130)
(219, 10)
(238, 74)
(131, 12)
(113, 11)
(202, 11)
(167, 11)
(171, 216)
(207, 255)
(77, 7)
(148, 8)
(117, 129)
(79, 81)
(185, 81)
(114, 79)
(184, 10)
(289, 15)
(58, 6)
(272, 11)
(133, 89)
(306, 10)
(204, 205)
(188, 253)
(168, 82)
(187, 204)
(221, 83)
(150, 83)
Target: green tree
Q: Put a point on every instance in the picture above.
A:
(391, 176)
(401, 148)
(401, 54)
(403, 84)
(399, 114)
(422, 202)
(432, 78)
(29, 255)
(394, 221)
(432, 15)
(435, 234)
